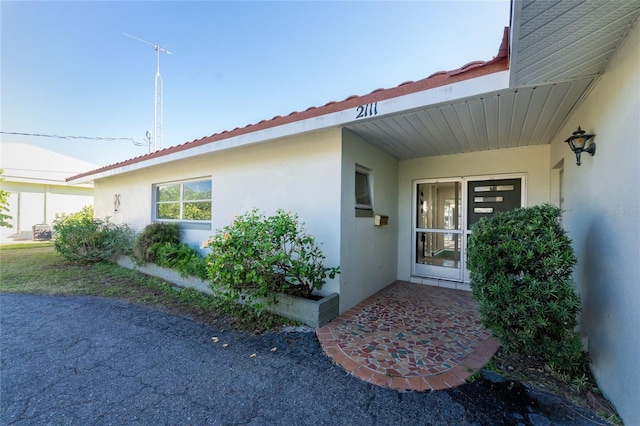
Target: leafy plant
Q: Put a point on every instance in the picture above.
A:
(182, 258)
(4, 205)
(152, 238)
(520, 265)
(257, 254)
(81, 238)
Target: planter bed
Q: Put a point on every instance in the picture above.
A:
(314, 313)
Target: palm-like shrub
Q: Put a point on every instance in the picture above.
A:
(520, 263)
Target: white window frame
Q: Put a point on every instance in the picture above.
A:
(368, 173)
(187, 223)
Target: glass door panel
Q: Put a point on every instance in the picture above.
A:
(438, 249)
(438, 229)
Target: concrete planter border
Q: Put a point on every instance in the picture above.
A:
(314, 313)
(166, 274)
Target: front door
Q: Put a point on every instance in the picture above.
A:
(488, 197)
(438, 232)
(445, 210)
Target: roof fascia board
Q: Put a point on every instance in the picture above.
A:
(40, 181)
(516, 22)
(397, 105)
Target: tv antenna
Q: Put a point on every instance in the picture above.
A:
(157, 124)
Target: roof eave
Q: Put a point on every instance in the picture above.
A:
(385, 107)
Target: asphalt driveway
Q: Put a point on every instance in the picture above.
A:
(89, 361)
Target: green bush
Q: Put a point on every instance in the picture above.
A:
(153, 237)
(81, 238)
(520, 265)
(183, 259)
(258, 254)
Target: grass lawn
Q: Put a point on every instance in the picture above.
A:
(38, 269)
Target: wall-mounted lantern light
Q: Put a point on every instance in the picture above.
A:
(578, 141)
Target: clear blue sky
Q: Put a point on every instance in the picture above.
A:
(67, 69)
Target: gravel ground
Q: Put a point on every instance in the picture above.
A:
(90, 361)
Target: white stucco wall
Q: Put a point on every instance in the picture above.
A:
(32, 204)
(532, 162)
(298, 174)
(602, 203)
(368, 252)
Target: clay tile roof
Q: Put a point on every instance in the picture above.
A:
(470, 70)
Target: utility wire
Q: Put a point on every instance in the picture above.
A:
(93, 138)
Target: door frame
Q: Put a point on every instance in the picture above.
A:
(432, 271)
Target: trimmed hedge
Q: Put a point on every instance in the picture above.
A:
(521, 264)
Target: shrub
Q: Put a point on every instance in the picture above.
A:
(520, 265)
(81, 238)
(182, 258)
(152, 237)
(258, 254)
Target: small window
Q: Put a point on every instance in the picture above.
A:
(363, 189)
(183, 201)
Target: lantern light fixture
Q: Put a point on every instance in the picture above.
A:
(578, 143)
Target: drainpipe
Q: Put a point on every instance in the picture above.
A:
(44, 213)
(18, 214)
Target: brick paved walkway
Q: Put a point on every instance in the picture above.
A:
(410, 336)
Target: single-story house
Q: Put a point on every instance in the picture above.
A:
(434, 156)
(35, 179)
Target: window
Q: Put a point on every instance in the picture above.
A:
(183, 201)
(363, 189)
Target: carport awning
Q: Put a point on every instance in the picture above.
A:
(507, 118)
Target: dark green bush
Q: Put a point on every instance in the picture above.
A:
(81, 238)
(152, 237)
(521, 263)
(258, 254)
(183, 259)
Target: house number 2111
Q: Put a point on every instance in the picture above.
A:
(367, 110)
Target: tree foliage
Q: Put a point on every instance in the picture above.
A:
(4, 205)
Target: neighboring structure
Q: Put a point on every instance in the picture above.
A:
(35, 178)
(434, 156)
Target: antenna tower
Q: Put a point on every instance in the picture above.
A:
(156, 144)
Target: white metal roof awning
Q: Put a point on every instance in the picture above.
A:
(507, 118)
